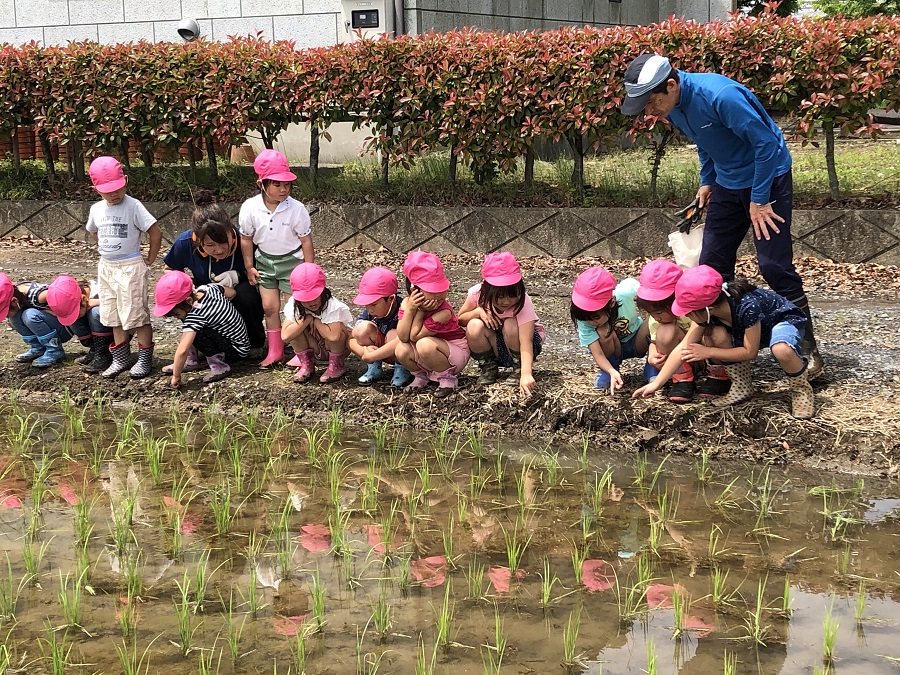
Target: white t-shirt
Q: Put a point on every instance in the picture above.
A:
(334, 311)
(119, 227)
(275, 232)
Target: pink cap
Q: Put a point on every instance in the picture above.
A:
(424, 270)
(172, 288)
(106, 174)
(593, 289)
(376, 283)
(501, 269)
(307, 282)
(272, 165)
(64, 297)
(658, 279)
(6, 294)
(699, 287)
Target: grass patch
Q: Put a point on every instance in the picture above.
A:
(868, 170)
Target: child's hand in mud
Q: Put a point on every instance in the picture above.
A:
(615, 382)
(527, 385)
(646, 391)
(175, 382)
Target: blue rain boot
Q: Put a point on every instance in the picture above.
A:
(650, 372)
(401, 376)
(603, 380)
(53, 351)
(35, 349)
(373, 373)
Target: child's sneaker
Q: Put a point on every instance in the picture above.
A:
(717, 382)
(682, 388)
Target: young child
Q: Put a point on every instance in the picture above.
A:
(374, 337)
(608, 324)
(123, 276)
(48, 316)
(211, 325)
(729, 323)
(432, 343)
(502, 328)
(316, 324)
(278, 228)
(655, 296)
(77, 307)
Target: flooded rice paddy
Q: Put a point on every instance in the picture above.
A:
(146, 541)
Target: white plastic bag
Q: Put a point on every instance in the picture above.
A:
(686, 247)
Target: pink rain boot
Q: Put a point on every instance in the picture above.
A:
(420, 381)
(218, 369)
(190, 365)
(276, 349)
(335, 370)
(305, 371)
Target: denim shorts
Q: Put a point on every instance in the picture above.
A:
(787, 333)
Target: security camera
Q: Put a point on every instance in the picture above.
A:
(188, 29)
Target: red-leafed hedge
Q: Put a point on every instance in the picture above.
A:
(488, 96)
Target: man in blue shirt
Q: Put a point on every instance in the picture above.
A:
(745, 171)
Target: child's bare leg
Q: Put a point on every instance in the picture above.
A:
(787, 357)
(364, 334)
(271, 299)
(144, 335)
(406, 356)
(668, 337)
(434, 354)
(120, 335)
(511, 334)
(480, 338)
(640, 340)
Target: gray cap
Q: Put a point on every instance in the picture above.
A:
(645, 74)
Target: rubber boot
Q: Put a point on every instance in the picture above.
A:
(419, 382)
(144, 364)
(682, 389)
(816, 364)
(35, 349)
(53, 351)
(335, 369)
(650, 372)
(487, 362)
(121, 359)
(87, 357)
(305, 369)
(447, 383)
(401, 376)
(802, 397)
(218, 369)
(276, 349)
(191, 363)
(716, 382)
(741, 385)
(102, 358)
(373, 373)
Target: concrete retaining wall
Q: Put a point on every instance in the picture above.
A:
(842, 236)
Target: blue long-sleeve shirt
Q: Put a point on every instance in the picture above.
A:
(739, 145)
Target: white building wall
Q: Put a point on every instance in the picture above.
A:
(309, 23)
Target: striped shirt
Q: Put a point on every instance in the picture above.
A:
(32, 296)
(216, 312)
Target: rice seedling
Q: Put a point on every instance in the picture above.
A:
(829, 629)
(492, 654)
(571, 658)
(552, 468)
(727, 500)
(98, 402)
(133, 569)
(842, 560)
(721, 595)
(5, 659)
(579, 555)
(131, 663)
(755, 627)
(667, 506)
(22, 431)
(713, 549)
(681, 607)
(298, 651)
(523, 498)
(762, 494)
(220, 503)
(423, 473)
(201, 581)
(369, 488)
(424, 666)
(127, 617)
(235, 455)
(154, 453)
(252, 593)
(786, 599)
(219, 436)
(499, 470)
(99, 454)
(549, 580)
(337, 526)
(398, 454)
(404, 572)
(179, 429)
(443, 621)
(475, 582)
(334, 426)
(475, 441)
(128, 435)
(70, 601)
(183, 612)
(122, 515)
(382, 617)
(629, 601)
(478, 481)
(251, 424)
(317, 593)
(233, 636)
(652, 666)
(379, 432)
(730, 663)
(334, 470)
(583, 459)
(447, 539)
(55, 649)
(515, 546)
(205, 662)
(657, 529)
(33, 558)
(702, 468)
(861, 601)
(462, 506)
(11, 586)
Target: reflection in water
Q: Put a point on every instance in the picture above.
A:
(380, 536)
